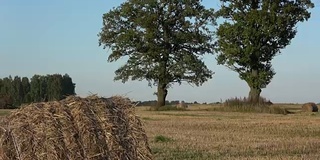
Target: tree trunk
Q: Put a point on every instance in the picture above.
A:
(254, 95)
(162, 94)
(255, 90)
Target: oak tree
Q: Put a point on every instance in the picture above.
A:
(253, 33)
(163, 40)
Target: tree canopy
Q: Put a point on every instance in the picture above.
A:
(16, 91)
(253, 33)
(163, 40)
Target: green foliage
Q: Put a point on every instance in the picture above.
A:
(17, 93)
(68, 87)
(26, 90)
(164, 42)
(35, 89)
(54, 87)
(7, 92)
(51, 87)
(245, 102)
(6, 87)
(161, 138)
(254, 32)
(245, 105)
(14, 92)
(38, 88)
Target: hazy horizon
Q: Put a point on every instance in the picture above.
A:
(48, 37)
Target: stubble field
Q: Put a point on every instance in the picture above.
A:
(203, 134)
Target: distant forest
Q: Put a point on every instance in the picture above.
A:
(16, 91)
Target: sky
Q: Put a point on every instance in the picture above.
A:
(60, 36)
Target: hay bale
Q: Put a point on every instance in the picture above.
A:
(182, 104)
(310, 107)
(75, 128)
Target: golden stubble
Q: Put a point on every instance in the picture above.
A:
(231, 135)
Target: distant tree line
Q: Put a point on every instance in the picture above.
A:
(154, 103)
(16, 91)
(174, 102)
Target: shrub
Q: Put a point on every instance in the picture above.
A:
(244, 105)
(245, 102)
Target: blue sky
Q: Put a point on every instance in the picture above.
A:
(60, 36)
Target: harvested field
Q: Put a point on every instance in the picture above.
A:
(204, 134)
(201, 133)
(75, 128)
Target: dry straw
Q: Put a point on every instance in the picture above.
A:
(310, 107)
(73, 129)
